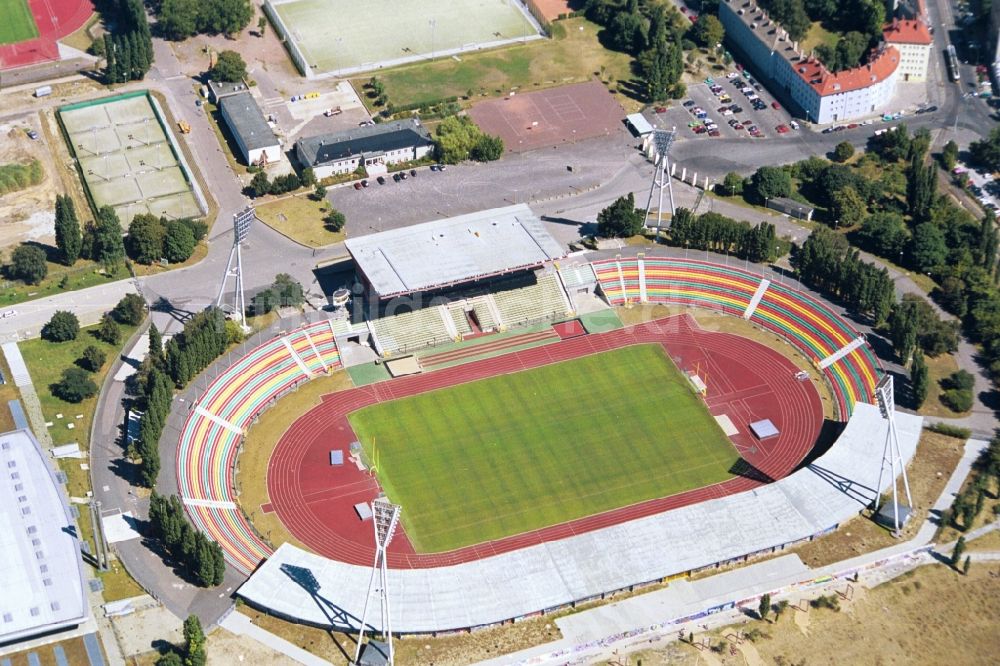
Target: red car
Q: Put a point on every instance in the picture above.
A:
(357, 185)
(781, 129)
(661, 109)
(714, 132)
(775, 105)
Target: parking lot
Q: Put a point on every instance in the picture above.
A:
(724, 107)
(981, 186)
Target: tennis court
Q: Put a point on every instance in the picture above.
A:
(126, 159)
(344, 36)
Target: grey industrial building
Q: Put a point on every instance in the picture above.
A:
(371, 146)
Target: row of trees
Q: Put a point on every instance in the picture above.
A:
(261, 185)
(652, 33)
(865, 17)
(194, 652)
(189, 352)
(827, 262)
(180, 19)
(151, 239)
(284, 292)
(457, 138)
(127, 47)
(154, 395)
(718, 233)
(969, 502)
(201, 558)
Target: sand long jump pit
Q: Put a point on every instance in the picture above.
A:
(341, 37)
(128, 157)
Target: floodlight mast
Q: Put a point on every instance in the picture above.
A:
(386, 517)
(241, 229)
(663, 140)
(886, 403)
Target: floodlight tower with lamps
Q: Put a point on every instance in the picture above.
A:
(662, 141)
(241, 229)
(386, 517)
(890, 452)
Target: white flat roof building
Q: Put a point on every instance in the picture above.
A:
(41, 577)
(459, 249)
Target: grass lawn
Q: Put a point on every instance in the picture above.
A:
(60, 278)
(301, 219)
(517, 452)
(573, 55)
(938, 368)
(816, 36)
(16, 22)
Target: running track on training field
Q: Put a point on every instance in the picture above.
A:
(55, 19)
(746, 381)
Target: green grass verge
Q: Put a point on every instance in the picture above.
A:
(46, 362)
(600, 321)
(59, 279)
(16, 22)
(574, 55)
(517, 452)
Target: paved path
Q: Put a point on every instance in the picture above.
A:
(240, 624)
(87, 304)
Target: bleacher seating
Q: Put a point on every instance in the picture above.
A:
(811, 326)
(577, 275)
(484, 315)
(410, 331)
(211, 436)
(541, 301)
(457, 314)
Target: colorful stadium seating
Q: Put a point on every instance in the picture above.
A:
(811, 326)
(211, 436)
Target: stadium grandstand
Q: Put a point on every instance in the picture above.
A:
(40, 570)
(826, 339)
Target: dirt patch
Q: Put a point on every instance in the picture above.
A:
(553, 9)
(928, 616)
(28, 214)
(259, 444)
(719, 323)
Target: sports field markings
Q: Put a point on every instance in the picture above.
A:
(521, 451)
(16, 22)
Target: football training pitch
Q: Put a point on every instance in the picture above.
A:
(518, 452)
(345, 36)
(16, 22)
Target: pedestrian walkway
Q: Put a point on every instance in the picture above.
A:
(240, 624)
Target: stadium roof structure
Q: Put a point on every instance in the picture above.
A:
(40, 568)
(299, 585)
(452, 251)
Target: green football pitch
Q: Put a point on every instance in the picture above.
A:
(16, 22)
(521, 451)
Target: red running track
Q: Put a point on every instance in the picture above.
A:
(55, 19)
(746, 381)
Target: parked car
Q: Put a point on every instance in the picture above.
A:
(381, 180)
(364, 183)
(775, 105)
(794, 124)
(714, 132)
(689, 103)
(781, 129)
(413, 172)
(33, 135)
(660, 109)
(736, 108)
(827, 130)
(395, 177)
(357, 185)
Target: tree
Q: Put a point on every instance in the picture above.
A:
(918, 380)
(170, 659)
(93, 358)
(130, 310)
(229, 67)
(75, 385)
(335, 220)
(144, 242)
(708, 31)
(27, 263)
(885, 234)
(109, 249)
(264, 301)
(621, 219)
(319, 193)
(194, 635)
(848, 207)
(949, 155)
(455, 138)
(844, 151)
(259, 184)
(179, 242)
(780, 608)
(62, 327)
(109, 330)
(921, 186)
(288, 290)
(68, 238)
(488, 148)
(155, 345)
(769, 182)
(986, 152)
(959, 550)
(928, 251)
(307, 177)
(733, 183)
(219, 564)
(261, 25)
(764, 609)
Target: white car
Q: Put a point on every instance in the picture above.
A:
(794, 125)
